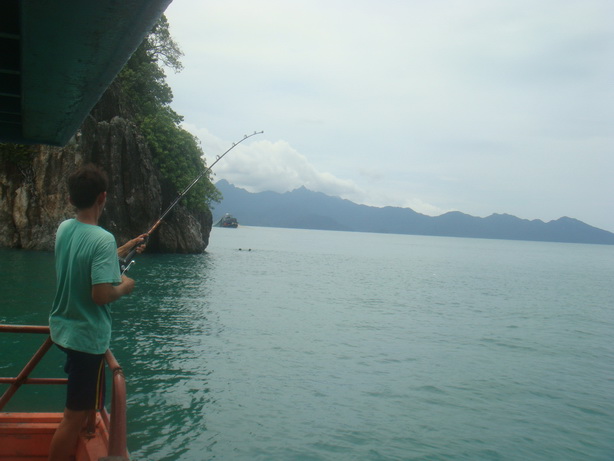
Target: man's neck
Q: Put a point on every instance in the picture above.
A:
(88, 216)
(92, 214)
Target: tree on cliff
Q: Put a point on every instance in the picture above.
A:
(146, 95)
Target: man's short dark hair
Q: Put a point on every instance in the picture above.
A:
(86, 184)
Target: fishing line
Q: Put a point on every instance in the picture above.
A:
(128, 261)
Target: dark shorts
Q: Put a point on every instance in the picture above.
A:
(86, 382)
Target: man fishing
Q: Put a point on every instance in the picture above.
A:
(88, 279)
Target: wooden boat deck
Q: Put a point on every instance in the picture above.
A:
(27, 436)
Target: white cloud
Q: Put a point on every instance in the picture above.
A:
(261, 165)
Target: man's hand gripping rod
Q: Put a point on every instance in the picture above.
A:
(128, 261)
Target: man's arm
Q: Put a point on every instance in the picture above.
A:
(105, 293)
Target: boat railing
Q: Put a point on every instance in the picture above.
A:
(115, 423)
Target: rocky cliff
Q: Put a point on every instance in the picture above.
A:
(33, 196)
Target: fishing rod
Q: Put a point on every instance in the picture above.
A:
(128, 261)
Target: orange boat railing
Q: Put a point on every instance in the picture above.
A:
(115, 424)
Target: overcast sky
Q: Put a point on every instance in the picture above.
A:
(480, 106)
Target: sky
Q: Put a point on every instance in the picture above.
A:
(478, 106)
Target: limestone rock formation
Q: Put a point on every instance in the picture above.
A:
(33, 199)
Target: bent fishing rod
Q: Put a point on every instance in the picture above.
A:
(128, 261)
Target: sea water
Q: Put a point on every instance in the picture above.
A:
(282, 344)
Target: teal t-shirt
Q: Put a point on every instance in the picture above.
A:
(85, 255)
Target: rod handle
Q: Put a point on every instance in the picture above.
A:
(125, 263)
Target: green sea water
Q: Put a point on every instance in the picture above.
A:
(281, 344)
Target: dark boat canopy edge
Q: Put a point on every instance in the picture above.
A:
(59, 56)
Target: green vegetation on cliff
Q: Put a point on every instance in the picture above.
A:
(146, 95)
(15, 156)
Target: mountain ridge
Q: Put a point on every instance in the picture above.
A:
(306, 209)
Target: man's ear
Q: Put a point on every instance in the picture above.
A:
(101, 197)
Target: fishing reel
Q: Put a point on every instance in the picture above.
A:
(126, 263)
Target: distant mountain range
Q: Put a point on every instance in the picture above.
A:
(305, 209)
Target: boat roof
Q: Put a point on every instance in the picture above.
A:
(59, 56)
